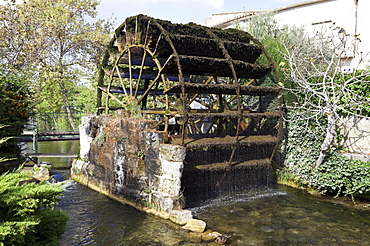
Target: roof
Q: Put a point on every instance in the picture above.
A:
(248, 14)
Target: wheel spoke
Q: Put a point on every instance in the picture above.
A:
(140, 74)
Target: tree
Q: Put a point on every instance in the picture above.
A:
(57, 44)
(310, 71)
(314, 66)
(15, 108)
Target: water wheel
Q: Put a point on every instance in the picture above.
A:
(209, 88)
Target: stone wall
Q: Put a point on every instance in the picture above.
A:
(356, 131)
(128, 160)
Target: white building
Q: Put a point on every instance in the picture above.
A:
(351, 16)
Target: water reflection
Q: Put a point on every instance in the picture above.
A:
(70, 146)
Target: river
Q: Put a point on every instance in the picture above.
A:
(275, 215)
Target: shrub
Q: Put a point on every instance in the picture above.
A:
(27, 214)
(337, 175)
(342, 176)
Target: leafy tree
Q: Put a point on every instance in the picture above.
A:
(15, 108)
(265, 28)
(53, 40)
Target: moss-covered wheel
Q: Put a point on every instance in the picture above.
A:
(200, 82)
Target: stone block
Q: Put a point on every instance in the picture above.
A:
(85, 130)
(172, 169)
(166, 185)
(195, 225)
(172, 153)
(127, 157)
(41, 172)
(210, 236)
(180, 217)
(165, 203)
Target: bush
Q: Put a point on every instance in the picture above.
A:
(337, 176)
(27, 214)
(342, 176)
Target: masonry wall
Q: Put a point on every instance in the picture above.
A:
(356, 131)
(128, 160)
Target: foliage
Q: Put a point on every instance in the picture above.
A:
(85, 99)
(56, 121)
(319, 85)
(3, 140)
(15, 107)
(338, 175)
(301, 144)
(343, 176)
(265, 28)
(355, 100)
(57, 45)
(310, 70)
(27, 211)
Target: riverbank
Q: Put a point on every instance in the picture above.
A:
(356, 201)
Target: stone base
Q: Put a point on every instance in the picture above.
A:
(80, 174)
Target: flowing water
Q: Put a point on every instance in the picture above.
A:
(275, 215)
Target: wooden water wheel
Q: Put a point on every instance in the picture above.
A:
(209, 88)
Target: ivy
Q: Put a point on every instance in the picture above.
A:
(343, 176)
(337, 176)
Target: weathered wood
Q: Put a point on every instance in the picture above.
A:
(198, 143)
(235, 114)
(156, 52)
(224, 166)
(196, 46)
(216, 67)
(145, 74)
(225, 89)
(137, 60)
(141, 28)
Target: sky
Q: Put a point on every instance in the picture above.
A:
(182, 11)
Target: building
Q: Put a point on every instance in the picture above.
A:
(350, 16)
